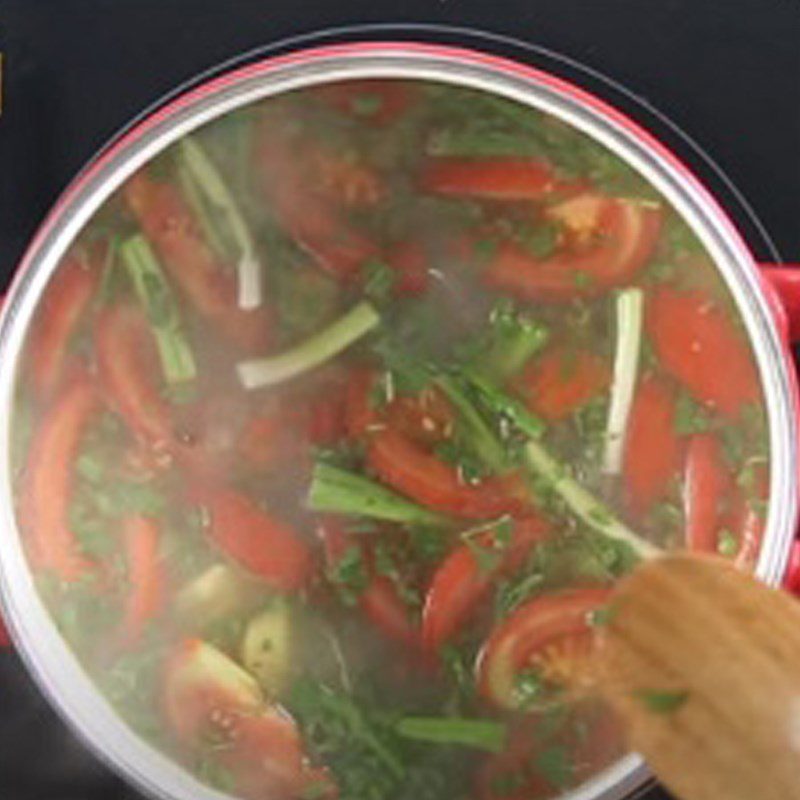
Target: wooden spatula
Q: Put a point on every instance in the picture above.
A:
(703, 663)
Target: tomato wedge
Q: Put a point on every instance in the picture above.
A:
(560, 381)
(409, 468)
(256, 541)
(653, 451)
(552, 634)
(127, 363)
(707, 483)
(698, 342)
(606, 242)
(62, 309)
(145, 575)
(379, 600)
(208, 284)
(207, 697)
(311, 219)
(488, 178)
(460, 585)
(48, 479)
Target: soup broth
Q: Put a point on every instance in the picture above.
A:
(339, 421)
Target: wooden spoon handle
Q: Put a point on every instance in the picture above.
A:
(704, 664)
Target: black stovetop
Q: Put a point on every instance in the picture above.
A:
(76, 71)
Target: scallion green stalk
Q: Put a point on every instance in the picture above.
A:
(630, 312)
(204, 185)
(155, 295)
(580, 501)
(316, 350)
(583, 503)
(339, 491)
(507, 406)
(476, 432)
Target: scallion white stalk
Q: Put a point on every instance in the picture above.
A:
(316, 350)
(630, 313)
(197, 167)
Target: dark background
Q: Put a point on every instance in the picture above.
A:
(726, 72)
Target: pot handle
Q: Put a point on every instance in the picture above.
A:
(782, 282)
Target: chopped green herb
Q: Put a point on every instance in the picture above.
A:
(689, 417)
(90, 467)
(727, 543)
(211, 772)
(366, 105)
(662, 701)
(378, 280)
(601, 616)
(555, 765)
(662, 271)
(349, 575)
(528, 689)
(478, 733)
(539, 240)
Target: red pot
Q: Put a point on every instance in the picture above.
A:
(768, 298)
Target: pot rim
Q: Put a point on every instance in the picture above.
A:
(46, 654)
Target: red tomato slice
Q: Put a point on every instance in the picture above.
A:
(210, 286)
(269, 438)
(48, 479)
(488, 178)
(459, 586)
(376, 101)
(145, 576)
(127, 363)
(327, 421)
(382, 605)
(697, 341)
(607, 241)
(207, 697)
(255, 540)
(552, 633)
(62, 309)
(380, 601)
(407, 467)
(707, 483)
(653, 451)
(560, 381)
